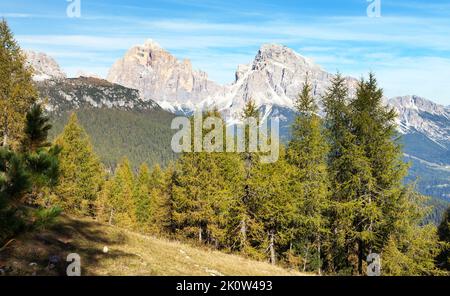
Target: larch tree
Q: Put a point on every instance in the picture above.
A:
(120, 196)
(202, 192)
(17, 92)
(307, 152)
(82, 173)
(350, 175)
(142, 199)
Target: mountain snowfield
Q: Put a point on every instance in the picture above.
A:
(273, 80)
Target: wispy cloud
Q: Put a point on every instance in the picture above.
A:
(218, 35)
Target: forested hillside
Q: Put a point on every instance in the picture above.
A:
(142, 136)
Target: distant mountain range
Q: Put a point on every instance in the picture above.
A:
(150, 78)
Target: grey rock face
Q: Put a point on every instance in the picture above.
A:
(416, 114)
(45, 67)
(158, 75)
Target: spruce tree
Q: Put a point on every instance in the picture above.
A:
(17, 92)
(81, 171)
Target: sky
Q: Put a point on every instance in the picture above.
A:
(407, 45)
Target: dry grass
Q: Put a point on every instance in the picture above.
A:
(129, 254)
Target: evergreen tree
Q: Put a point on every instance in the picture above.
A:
(23, 174)
(40, 159)
(17, 92)
(307, 152)
(36, 130)
(81, 171)
(14, 183)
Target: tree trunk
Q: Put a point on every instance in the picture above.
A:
(272, 247)
(360, 256)
(243, 232)
(318, 255)
(305, 260)
(200, 235)
(5, 139)
(111, 216)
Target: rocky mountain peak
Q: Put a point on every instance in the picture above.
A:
(415, 103)
(417, 114)
(274, 78)
(281, 54)
(45, 67)
(159, 75)
(151, 44)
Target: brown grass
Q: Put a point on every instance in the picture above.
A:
(129, 254)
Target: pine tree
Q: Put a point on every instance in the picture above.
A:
(36, 130)
(41, 159)
(26, 174)
(17, 92)
(14, 183)
(307, 152)
(81, 171)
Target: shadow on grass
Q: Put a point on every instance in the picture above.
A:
(45, 252)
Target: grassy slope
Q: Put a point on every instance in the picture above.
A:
(129, 254)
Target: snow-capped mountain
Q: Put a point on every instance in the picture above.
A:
(45, 67)
(426, 137)
(420, 115)
(158, 75)
(273, 80)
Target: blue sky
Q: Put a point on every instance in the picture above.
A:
(408, 47)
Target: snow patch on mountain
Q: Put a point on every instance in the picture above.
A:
(416, 114)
